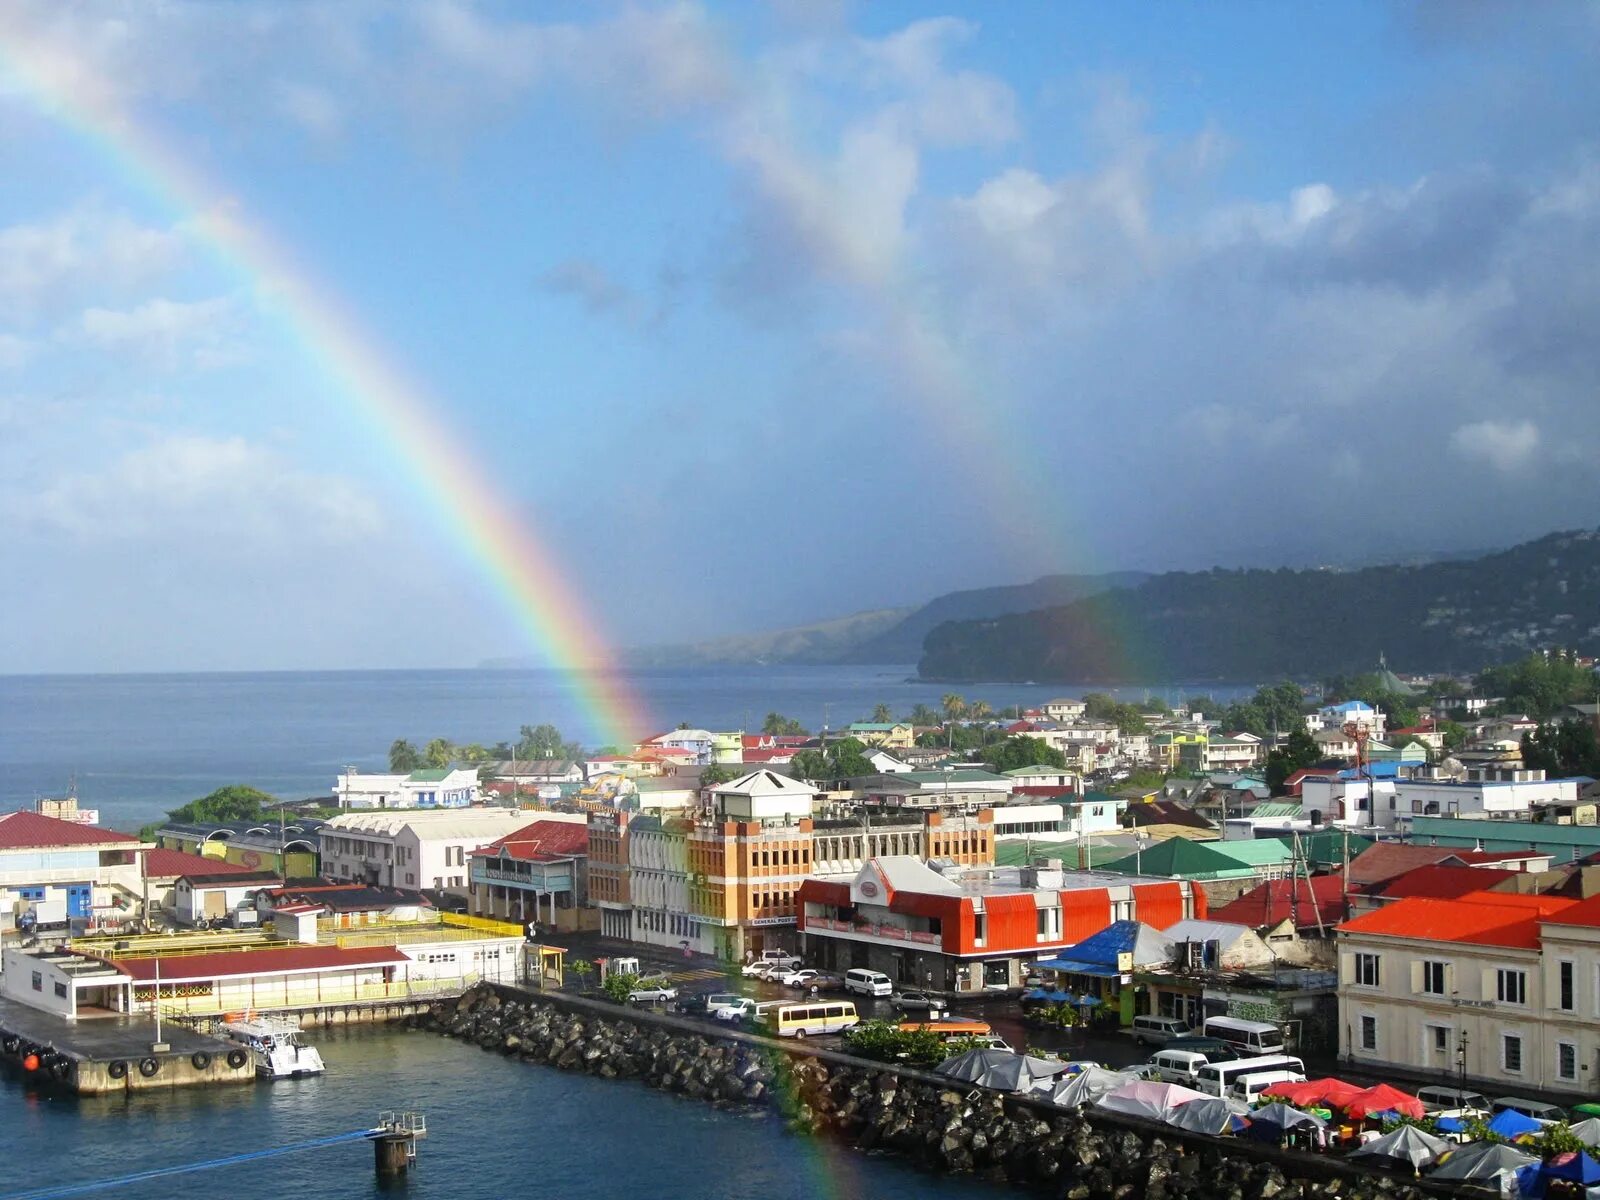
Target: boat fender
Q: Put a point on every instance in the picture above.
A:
(200, 1059)
(237, 1058)
(9, 1043)
(117, 1068)
(62, 1067)
(148, 1067)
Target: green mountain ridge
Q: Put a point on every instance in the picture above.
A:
(1454, 615)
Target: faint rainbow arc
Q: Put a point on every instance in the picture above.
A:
(486, 527)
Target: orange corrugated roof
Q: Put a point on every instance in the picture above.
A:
(1579, 912)
(1484, 919)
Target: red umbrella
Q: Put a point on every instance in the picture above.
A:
(1295, 1093)
(1333, 1092)
(1382, 1098)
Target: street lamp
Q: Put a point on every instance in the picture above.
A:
(1461, 1058)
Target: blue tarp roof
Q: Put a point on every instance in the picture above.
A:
(1074, 967)
(1385, 769)
(1120, 937)
(1509, 1123)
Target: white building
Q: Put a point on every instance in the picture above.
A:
(658, 865)
(1064, 709)
(54, 872)
(455, 787)
(1352, 712)
(1500, 987)
(412, 849)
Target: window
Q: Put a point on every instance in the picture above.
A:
(1367, 974)
(1433, 978)
(1566, 1060)
(1511, 987)
(1511, 1052)
(1439, 1037)
(980, 928)
(38, 982)
(1369, 1033)
(1569, 1000)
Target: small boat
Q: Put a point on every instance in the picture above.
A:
(275, 1045)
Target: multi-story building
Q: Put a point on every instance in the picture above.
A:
(286, 847)
(1492, 987)
(609, 872)
(428, 788)
(840, 846)
(887, 735)
(535, 873)
(966, 931)
(56, 872)
(663, 913)
(415, 848)
(1064, 709)
(747, 858)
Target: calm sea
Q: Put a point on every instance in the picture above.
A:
(138, 745)
(497, 1128)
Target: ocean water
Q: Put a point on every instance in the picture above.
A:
(139, 745)
(496, 1128)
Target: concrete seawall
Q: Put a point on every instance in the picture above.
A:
(925, 1118)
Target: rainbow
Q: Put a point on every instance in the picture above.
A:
(485, 524)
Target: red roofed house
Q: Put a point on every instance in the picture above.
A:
(162, 869)
(53, 872)
(924, 928)
(1296, 918)
(1500, 986)
(536, 873)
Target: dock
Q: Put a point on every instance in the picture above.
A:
(112, 1054)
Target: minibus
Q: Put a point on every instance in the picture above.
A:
(808, 1020)
(1217, 1078)
(1247, 1037)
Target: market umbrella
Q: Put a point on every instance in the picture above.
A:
(1269, 1124)
(1588, 1131)
(1574, 1166)
(1510, 1124)
(1211, 1115)
(1082, 1087)
(1383, 1098)
(1334, 1092)
(1144, 1099)
(1407, 1144)
(999, 1069)
(1482, 1160)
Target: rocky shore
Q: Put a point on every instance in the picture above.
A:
(921, 1117)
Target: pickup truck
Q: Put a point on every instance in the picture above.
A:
(734, 1011)
(655, 993)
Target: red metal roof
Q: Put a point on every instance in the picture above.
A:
(541, 841)
(1273, 902)
(1380, 863)
(1444, 882)
(30, 831)
(1483, 919)
(227, 964)
(163, 864)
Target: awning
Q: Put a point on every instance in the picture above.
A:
(1071, 967)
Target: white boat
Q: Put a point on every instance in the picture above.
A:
(275, 1045)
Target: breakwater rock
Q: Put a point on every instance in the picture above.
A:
(928, 1120)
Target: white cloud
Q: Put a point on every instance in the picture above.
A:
(171, 333)
(182, 486)
(81, 253)
(1507, 446)
(15, 352)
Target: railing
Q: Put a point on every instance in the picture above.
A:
(174, 946)
(483, 924)
(186, 1009)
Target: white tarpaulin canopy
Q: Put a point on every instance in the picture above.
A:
(1407, 1144)
(1000, 1069)
(1151, 1100)
(1086, 1086)
(1211, 1115)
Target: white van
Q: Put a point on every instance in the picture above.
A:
(1249, 1087)
(1453, 1102)
(867, 983)
(809, 1020)
(1545, 1114)
(1216, 1078)
(1157, 1031)
(1247, 1037)
(1178, 1066)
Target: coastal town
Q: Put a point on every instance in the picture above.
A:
(1416, 901)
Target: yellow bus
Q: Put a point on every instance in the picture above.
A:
(950, 1031)
(807, 1020)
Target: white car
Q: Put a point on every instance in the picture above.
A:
(755, 970)
(735, 1011)
(798, 979)
(653, 994)
(719, 1002)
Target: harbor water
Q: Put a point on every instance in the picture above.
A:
(496, 1128)
(139, 745)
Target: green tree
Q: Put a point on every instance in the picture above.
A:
(717, 774)
(980, 710)
(777, 725)
(582, 968)
(1278, 708)
(955, 707)
(1098, 706)
(1204, 704)
(1539, 685)
(618, 986)
(403, 757)
(811, 765)
(1562, 748)
(1024, 751)
(438, 753)
(923, 715)
(847, 758)
(882, 714)
(236, 802)
(1299, 750)
(541, 741)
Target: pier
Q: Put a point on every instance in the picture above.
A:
(95, 1056)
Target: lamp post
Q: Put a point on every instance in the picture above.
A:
(1461, 1058)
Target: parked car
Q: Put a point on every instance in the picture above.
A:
(1454, 1102)
(1157, 1031)
(740, 1008)
(697, 1005)
(868, 983)
(798, 978)
(655, 994)
(754, 970)
(655, 977)
(918, 1002)
(719, 1002)
(827, 983)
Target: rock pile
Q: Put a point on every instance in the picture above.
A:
(921, 1117)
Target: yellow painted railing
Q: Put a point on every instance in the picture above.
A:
(330, 993)
(483, 924)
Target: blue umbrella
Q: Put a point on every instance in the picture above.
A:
(1451, 1125)
(1057, 997)
(1579, 1168)
(1509, 1123)
(1034, 994)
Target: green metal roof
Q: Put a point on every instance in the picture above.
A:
(1258, 852)
(430, 775)
(1326, 848)
(1277, 808)
(1035, 769)
(1184, 858)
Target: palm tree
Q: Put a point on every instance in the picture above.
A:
(438, 753)
(954, 706)
(403, 757)
(882, 714)
(923, 715)
(980, 710)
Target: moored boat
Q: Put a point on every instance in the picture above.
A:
(274, 1043)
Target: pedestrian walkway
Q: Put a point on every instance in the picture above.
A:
(694, 976)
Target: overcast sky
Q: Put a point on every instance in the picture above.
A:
(764, 313)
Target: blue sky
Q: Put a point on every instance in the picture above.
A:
(762, 313)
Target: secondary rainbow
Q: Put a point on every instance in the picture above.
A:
(448, 477)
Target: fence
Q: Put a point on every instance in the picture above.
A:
(198, 1011)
